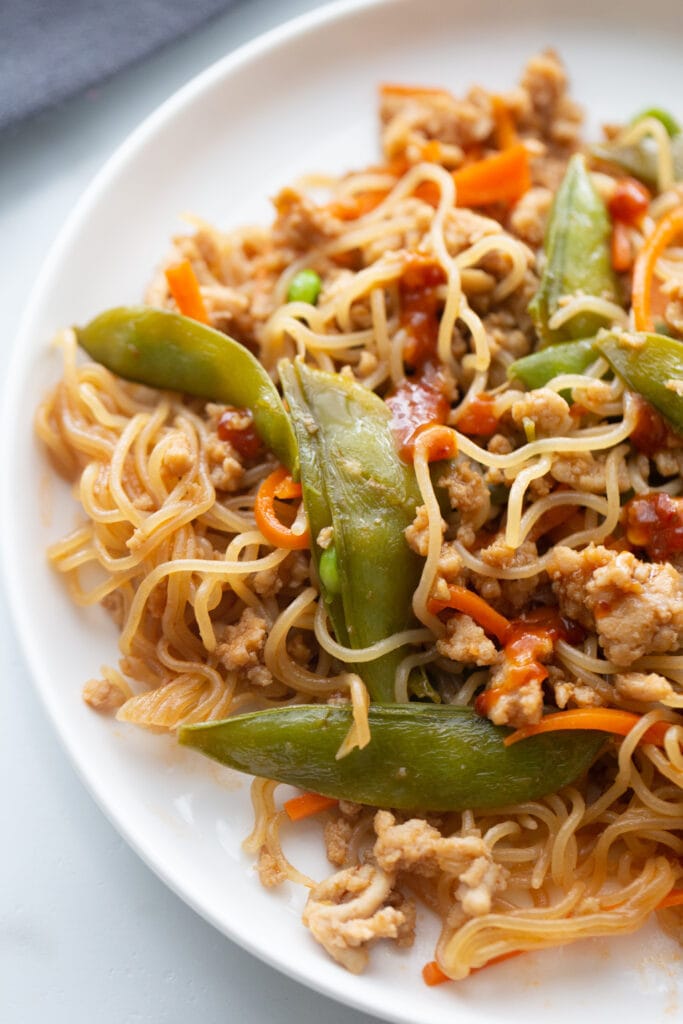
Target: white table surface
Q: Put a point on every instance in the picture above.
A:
(87, 932)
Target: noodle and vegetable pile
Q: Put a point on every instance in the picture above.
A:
(387, 502)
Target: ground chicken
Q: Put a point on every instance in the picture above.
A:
(300, 224)
(546, 409)
(450, 565)
(586, 472)
(348, 911)
(547, 110)
(467, 642)
(104, 695)
(337, 834)
(410, 121)
(178, 457)
(643, 686)
(516, 708)
(417, 534)
(416, 846)
(636, 607)
(511, 595)
(242, 643)
(270, 871)
(225, 470)
(529, 216)
(467, 493)
(574, 693)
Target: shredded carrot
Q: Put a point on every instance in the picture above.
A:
(672, 899)
(409, 91)
(184, 286)
(611, 720)
(359, 205)
(308, 804)
(621, 248)
(502, 178)
(287, 489)
(506, 133)
(498, 960)
(464, 600)
(275, 531)
(433, 975)
(432, 151)
(654, 245)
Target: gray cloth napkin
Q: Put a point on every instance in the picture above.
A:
(53, 49)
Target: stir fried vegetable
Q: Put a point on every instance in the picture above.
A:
(356, 487)
(651, 365)
(577, 248)
(166, 350)
(420, 756)
(641, 158)
(537, 369)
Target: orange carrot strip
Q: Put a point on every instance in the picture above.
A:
(611, 720)
(654, 245)
(364, 202)
(184, 286)
(621, 249)
(432, 151)
(308, 804)
(408, 91)
(506, 133)
(502, 178)
(498, 960)
(433, 975)
(672, 899)
(464, 600)
(267, 521)
(287, 489)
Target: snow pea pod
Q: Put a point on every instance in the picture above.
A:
(652, 365)
(166, 350)
(640, 159)
(421, 756)
(537, 369)
(578, 261)
(356, 488)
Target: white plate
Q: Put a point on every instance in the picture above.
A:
(301, 98)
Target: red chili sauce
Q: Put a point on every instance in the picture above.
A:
(236, 427)
(479, 419)
(420, 309)
(629, 201)
(654, 522)
(526, 640)
(417, 403)
(651, 433)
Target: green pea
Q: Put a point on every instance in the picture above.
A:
(329, 571)
(304, 287)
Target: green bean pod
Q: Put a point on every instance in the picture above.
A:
(651, 365)
(166, 350)
(420, 755)
(537, 369)
(639, 159)
(578, 260)
(355, 483)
